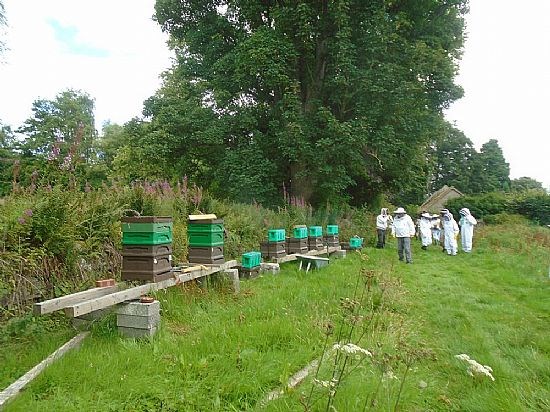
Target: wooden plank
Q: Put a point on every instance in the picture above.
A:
(51, 305)
(202, 217)
(91, 305)
(20, 383)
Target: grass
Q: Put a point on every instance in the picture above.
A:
(217, 351)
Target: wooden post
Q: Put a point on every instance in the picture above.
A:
(20, 383)
(194, 272)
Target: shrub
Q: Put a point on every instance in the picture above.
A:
(534, 205)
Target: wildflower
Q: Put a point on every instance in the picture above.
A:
(475, 368)
(349, 304)
(325, 384)
(22, 220)
(389, 375)
(351, 349)
(28, 212)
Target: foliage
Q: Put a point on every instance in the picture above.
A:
(2, 23)
(7, 158)
(341, 99)
(58, 240)
(534, 205)
(481, 205)
(58, 141)
(523, 184)
(490, 171)
(453, 156)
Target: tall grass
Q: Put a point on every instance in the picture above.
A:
(222, 352)
(54, 241)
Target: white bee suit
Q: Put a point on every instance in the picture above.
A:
(450, 230)
(426, 231)
(467, 223)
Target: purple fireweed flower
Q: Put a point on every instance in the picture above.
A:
(28, 212)
(22, 220)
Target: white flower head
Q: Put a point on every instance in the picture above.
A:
(325, 384)
(351, 349)
(475, 368)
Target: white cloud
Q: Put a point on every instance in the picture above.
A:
(39, 66)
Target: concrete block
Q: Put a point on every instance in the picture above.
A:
(233, 276)
(137, 322)
(137, 333)
(136, 308)
(84, 322)
(339, 254)
(270, 268)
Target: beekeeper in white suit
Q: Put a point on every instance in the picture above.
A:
(467, 223)
(425, 229)
(403, 229)
(450, 233)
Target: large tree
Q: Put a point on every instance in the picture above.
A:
(453, 155)
(326, 98)
(490, 171)
(61, 128)
(524, 184)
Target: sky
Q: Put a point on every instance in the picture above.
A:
(114, 51)
(110, 49)
(505, 73)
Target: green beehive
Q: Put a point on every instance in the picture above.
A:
(146, 238)
(276, 235)
(299, 232)
(251, 260)
(147, 227)
(205, 239)
(332, 229)
(315, 231)
(356, 242)
(217, 226)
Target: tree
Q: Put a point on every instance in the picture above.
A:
(62, 128)
(490, 171)
(524, 184)
(342, 97)
(7, 158)
(453, 156)
(2, 24)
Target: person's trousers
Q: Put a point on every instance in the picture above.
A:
(404, 248)
(381, 238)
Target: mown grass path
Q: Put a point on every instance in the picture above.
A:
(216, 351)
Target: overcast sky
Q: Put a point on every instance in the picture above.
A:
(505, 73)
(112, 50)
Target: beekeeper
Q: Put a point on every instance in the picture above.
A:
(382, 221)
(436, 229)
(403, 229)
(467, 223)
(450, 233)
(425, 229)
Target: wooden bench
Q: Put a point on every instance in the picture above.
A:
(315, 261)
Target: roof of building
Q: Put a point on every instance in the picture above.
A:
(440, 195)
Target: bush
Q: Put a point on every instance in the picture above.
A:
(506, 218)
(533, 205)
(536, 206)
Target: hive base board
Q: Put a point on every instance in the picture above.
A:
(147, 276)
